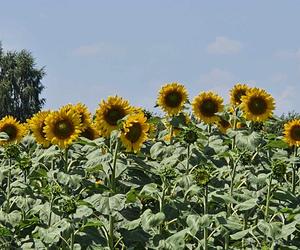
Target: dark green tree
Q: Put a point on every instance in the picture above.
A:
(20, 84)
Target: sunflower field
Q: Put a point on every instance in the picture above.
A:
(205, 175)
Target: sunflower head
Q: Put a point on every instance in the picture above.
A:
(62, 127)
(292, 132)
(237, 92)
(201, 176)
(134, 132)
(14, 129)
(110, 112)
(90, 132)
(223, 125)
(257, 105)
(206, 105)
(172, 97)
(36, 125)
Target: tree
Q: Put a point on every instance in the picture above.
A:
(20, 85)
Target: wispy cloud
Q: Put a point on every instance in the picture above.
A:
(96, 49)
(224, 46)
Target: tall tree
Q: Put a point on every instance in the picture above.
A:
(20, 84)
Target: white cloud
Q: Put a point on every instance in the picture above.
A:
(224, 46)
(96, 50)
(285, 99)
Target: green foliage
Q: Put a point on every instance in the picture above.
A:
(232, 190)
(20, 85)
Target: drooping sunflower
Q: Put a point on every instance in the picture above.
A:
(62, 127)
(257, 105)
(292, 132)
(206, 105)
(13, 128)
(90, 132)
(172, 97)
(36, 125)
(134, 132)
(223, 125)
(237, 92)
(110, 112)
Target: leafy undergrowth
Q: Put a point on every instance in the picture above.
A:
(237, 190)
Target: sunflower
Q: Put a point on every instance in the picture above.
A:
(134, 132)
(237, 92)
(82, 110)
(90, 132)
(223, 125)
(14, 129)
(292, 132)
(110, 112)
(172, 97)
(62, 127)
(36, 125)
(206, 105)
(257, 105)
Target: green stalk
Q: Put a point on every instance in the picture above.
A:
(171, 134)
(8, 187)
(244, 228)
(205, 206)
(268, 198)
(113, 170)
(50, 213)
(66, 160)
(113, 188)
(188, 159)
(162, 204)
(294, 171)
(72, 237)
(111, 232)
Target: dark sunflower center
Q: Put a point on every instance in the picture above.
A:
(88, 133)
(257, 106)
(134, 133)
(113, 115)
(295, 133)
(238, 95)
(208, 107)
(63, 129)
(11, 131)
(224, 123)
(173, 99)
(42, 133)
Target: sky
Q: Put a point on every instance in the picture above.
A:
(94, 49)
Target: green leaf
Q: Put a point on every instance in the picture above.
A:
(249, 141)
(156, 150)
(288, 229)
(83, 211)
(239, 235)
(130, 225)
(196, 222)
(246, 205)
(150, 220)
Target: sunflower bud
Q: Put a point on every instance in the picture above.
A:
(201, 177)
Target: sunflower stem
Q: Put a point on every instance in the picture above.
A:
(171, 134)
(294, 171)
(113, 172)
(8, 187)
(188, 158)
(268, 198)
(205, 212)
(66, 159)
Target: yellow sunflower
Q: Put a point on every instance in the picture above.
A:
(237, 92)
(257, 105)
(82, 110)
(36, 125)
(206, 105)
(13, 128)
(62, 127)
(90, 132)
(223, 125)
(172, 97)
(292, 132)
(135, 132)
(110, 112)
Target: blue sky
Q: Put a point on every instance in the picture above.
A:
(93, 49)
